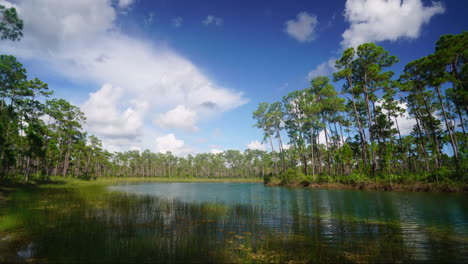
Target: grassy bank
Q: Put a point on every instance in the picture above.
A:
(111, 181)
(62, 182)
(71, 181)
(377, 186)
(414, 183)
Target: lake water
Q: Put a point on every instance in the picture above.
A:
(232, 222)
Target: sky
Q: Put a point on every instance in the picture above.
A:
(185, 76)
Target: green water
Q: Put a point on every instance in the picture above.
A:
(231, 223)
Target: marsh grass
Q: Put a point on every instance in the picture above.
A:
(71, 181)
(84, 222)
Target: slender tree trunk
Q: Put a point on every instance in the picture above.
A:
(433, 130)
(280, 146)
(448, 128)
(426, 161)
(362, 135)
(328, 149)
(312, 151)
(273, 150)
(304, 160)
(320, 157)
(369, 121)
(66, 160)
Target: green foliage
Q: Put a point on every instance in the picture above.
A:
(268, 178)
(356, 178)
(347, 136)
(291, 175)
(442, 174)
(11, 26)
(324, 178)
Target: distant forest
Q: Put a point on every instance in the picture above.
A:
(42, 137)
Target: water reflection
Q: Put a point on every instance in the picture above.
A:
(214, 223)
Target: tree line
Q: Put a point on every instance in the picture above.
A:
(360, 123)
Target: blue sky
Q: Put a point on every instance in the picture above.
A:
(185, 76)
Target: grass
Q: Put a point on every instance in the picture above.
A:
(69, 181)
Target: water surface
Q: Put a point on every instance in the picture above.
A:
(232, 222)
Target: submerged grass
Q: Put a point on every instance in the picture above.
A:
(72, 220)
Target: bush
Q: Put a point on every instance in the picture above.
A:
(443, 174)
(39, 177)
(323, 178)
(356, 177)
(267, 178)
(291, 175)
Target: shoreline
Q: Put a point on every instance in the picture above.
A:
(377, 186)
(59, 182)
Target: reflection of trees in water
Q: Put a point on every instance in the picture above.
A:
(85, 225)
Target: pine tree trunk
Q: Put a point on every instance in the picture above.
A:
(448, 128)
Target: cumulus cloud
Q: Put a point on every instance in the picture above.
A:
(303, 27)
(216, 151)
(210, 19)
(324, 69)
(380, 20)
(170, 143)
(177, 22)
(82, 42)
(105, 118)
(405, 122)
(256, 145)
(77, 23)
(179, 117)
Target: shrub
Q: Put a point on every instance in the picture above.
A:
(267, 178)
(442, 174)
(356, 177)
(325, 178)
(290, 175)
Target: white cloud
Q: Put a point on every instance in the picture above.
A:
(303, 28)
(105, 118)
(170, 143)
(321, 137)
(210, 19)
(324, 69)
(82, 42)
(256, 145)
(177, 22)
(380, 20)
(119, 144)
(8, 4)
(179, 117)
(77, 23)
(216, 151)
(405, 122)
(125, 3)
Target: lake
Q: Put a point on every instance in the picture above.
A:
(231, 222)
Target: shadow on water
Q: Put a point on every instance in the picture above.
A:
(90, 224)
